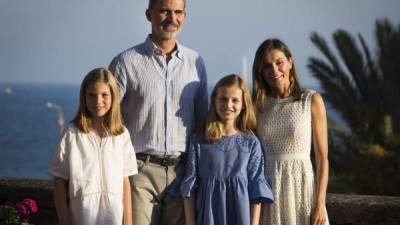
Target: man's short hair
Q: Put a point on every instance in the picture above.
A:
(152, 3)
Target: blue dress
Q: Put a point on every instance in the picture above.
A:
(225, 177)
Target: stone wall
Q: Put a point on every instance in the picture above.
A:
(15, 190)
(363, 209)
(342, 209)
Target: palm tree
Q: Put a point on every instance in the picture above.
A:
(365, 89)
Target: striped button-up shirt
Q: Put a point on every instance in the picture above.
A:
(162, 103)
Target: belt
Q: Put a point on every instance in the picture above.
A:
(161, 160)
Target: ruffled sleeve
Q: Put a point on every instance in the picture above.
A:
(60, 165)
(189, 182)
(259, 189)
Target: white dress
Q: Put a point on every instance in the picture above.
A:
(284, 129)
(95, 174)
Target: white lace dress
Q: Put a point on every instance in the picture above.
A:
(284, 129)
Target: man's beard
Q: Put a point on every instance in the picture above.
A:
(167, 35)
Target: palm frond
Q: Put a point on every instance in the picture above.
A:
(352, 58)
(321, 44)
(343, 97)
(366, 95)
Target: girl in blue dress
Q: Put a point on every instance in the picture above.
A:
(224, 182)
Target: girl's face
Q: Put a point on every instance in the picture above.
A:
(98, 99)
(276, 69)
(228, 103)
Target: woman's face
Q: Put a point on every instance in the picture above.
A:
(276, 69)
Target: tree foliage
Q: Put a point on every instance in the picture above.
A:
(364, 88)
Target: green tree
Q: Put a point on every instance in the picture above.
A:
(364, 89)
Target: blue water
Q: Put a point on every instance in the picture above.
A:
(29, 131)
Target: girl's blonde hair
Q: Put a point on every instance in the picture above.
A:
(113, 120)
(212, 130)
(261, 88)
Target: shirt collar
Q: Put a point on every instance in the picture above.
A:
(152, 48)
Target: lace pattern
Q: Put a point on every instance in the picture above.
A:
(284, 129)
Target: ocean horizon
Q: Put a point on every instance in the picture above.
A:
(29, 131)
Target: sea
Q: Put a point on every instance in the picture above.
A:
(29, 128)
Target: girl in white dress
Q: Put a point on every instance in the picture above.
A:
(289, 120)
(94, 159)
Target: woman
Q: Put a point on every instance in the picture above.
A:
(289, 120)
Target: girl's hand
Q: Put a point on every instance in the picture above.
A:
(189, 208)
(318, 216)
(255, 211)
(127, 202)
(61, 199)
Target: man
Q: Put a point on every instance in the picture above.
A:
(163, 89)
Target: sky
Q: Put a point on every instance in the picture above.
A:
(55, 41)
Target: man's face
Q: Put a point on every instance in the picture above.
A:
(167, 18)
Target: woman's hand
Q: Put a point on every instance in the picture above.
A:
(318, 216)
